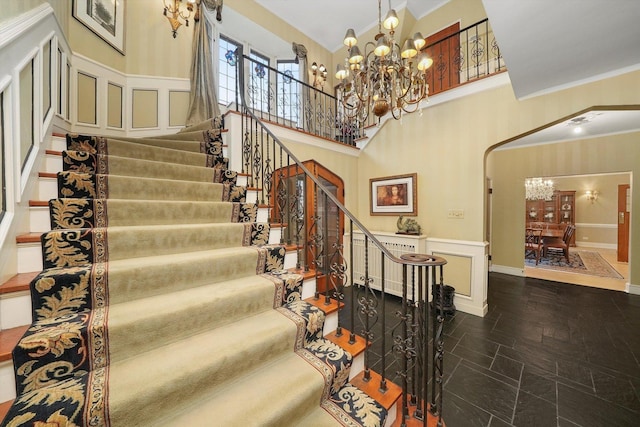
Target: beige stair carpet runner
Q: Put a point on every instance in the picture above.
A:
(156, 305)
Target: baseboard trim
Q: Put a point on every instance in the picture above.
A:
(597, 245)
(632, 289)
(469, 307)
(494, 268)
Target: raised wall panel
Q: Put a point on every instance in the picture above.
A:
(87, 96)
(59, 80)
(26, 111)
(144, 108)
(114, 107)
(457, 272)
(178, 106)
(46, 79)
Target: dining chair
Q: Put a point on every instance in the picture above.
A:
(560, 244)
(533, 243)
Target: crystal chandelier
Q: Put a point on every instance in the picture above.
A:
(387, 77)
(538, 189)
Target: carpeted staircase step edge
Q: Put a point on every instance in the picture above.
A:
(123, 242)
(142, 277)
(136, 188)
(130, 212)
(189, 312)
(127, 166)
(275, 394)
(139, 150)
(137, 393)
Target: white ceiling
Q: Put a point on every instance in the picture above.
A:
(588, 124)
(547, 45)
(327, 21)
(551, 44)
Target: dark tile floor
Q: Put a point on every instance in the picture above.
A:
(546, 354)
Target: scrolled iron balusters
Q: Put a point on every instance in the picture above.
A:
(477, 51)
(297, 213)
(268, 176)
(438, 346)
(246, 152)
(281, 200)
(257, 159)
(495, 51)
(367, 315)
(411, 341)
(337, 269)
(458, 59)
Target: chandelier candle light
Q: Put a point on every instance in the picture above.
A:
(387, 77)
(538, 189)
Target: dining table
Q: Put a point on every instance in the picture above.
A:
(552, 233)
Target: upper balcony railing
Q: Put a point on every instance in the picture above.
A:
(277, 97)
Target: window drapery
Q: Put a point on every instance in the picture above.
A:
(203, 102)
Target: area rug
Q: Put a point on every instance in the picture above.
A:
(581, 262)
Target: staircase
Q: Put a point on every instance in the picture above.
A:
(161, 296)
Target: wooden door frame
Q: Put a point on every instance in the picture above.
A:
(623, 217)
(319, 171)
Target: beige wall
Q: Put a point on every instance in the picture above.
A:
(447, 144)
(150, 48)
(11, 9)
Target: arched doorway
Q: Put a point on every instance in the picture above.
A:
(300, 221)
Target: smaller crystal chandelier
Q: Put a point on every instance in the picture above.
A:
(538, 189)
(387, 78)
(174, 13)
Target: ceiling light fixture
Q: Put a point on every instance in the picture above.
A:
(387, 78)
(538, 189)
(175, 12)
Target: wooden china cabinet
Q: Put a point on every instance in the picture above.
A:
(560, 211)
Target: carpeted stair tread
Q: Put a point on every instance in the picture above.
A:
(141, 325)
(188, 142)
(124, 187)
(154, 275)
(142, 240)
(124, 212)
(277, 401)
(208, 362)
(144, 151)
(125, 166)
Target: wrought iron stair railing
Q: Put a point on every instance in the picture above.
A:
(412, 353)
(275, 96)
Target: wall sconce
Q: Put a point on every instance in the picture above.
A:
(175, 12)
(319, 75)
(592, 195)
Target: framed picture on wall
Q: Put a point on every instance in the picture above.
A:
(104, 17)
(393, 195)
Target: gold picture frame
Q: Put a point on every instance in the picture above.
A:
(394, 195)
